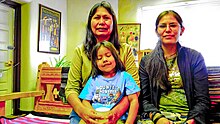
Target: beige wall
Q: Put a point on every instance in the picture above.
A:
(30, 58)
(127, 11)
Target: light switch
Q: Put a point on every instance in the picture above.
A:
(1, 74)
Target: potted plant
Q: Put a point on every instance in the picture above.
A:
(64, 63)
(60, 62)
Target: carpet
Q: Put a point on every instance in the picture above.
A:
(32, 119)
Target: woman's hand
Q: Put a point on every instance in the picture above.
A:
(191, 121)
(108, 117)
(89, 115)
(164, 120)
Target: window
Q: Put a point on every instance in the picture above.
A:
(201, 21)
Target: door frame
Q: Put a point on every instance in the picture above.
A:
(17, 52)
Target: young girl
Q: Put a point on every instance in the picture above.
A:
(109, 83)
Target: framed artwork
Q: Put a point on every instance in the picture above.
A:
(49, 30)
(130, 33)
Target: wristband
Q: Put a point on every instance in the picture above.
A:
(157, 118)
(144, 115)
(154, 113)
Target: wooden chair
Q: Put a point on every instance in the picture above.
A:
(141, 53)
(46, 95)
(17, 95)
(49, 80)
(214, 92)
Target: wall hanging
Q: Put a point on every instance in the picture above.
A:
(49, 30)
(130, 33)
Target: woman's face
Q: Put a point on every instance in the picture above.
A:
(102, 24)
(169, 29)
(106, 61)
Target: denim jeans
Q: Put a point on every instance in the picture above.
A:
(74, 118)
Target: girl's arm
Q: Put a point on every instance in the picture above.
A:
(133, 110)
(129, 62)
(117, 111)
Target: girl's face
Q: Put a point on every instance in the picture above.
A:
(169, 29)
(102, 24)
(106, 62)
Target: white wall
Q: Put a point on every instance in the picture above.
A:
(201, 27)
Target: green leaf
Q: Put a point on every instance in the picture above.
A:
(60, 62)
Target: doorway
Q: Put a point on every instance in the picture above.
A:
(11, 50)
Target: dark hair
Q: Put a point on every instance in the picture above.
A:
(119, 65)
(90, 40)
(175, 14)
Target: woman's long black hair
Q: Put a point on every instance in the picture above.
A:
(90, 40)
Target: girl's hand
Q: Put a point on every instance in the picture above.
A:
(113, 118)
(164, 120)
(191, 121)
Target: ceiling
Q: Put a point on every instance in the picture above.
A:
(22, 1)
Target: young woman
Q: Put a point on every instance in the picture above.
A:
(109, 82)
(174, 78)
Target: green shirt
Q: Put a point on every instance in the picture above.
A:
(81, 68)
(175, 101)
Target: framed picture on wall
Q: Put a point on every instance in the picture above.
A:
(49, 30)
(130, 33)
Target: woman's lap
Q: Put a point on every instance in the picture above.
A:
(74, 118)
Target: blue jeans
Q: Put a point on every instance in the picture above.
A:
(74, 118)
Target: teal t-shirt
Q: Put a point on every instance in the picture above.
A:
(105, 93)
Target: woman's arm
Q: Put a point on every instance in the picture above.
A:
(87, 104)
(146, 105)
(201, 100)
(133, 110)
(146, 91)
(74, 85)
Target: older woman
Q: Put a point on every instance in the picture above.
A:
(101, 25)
